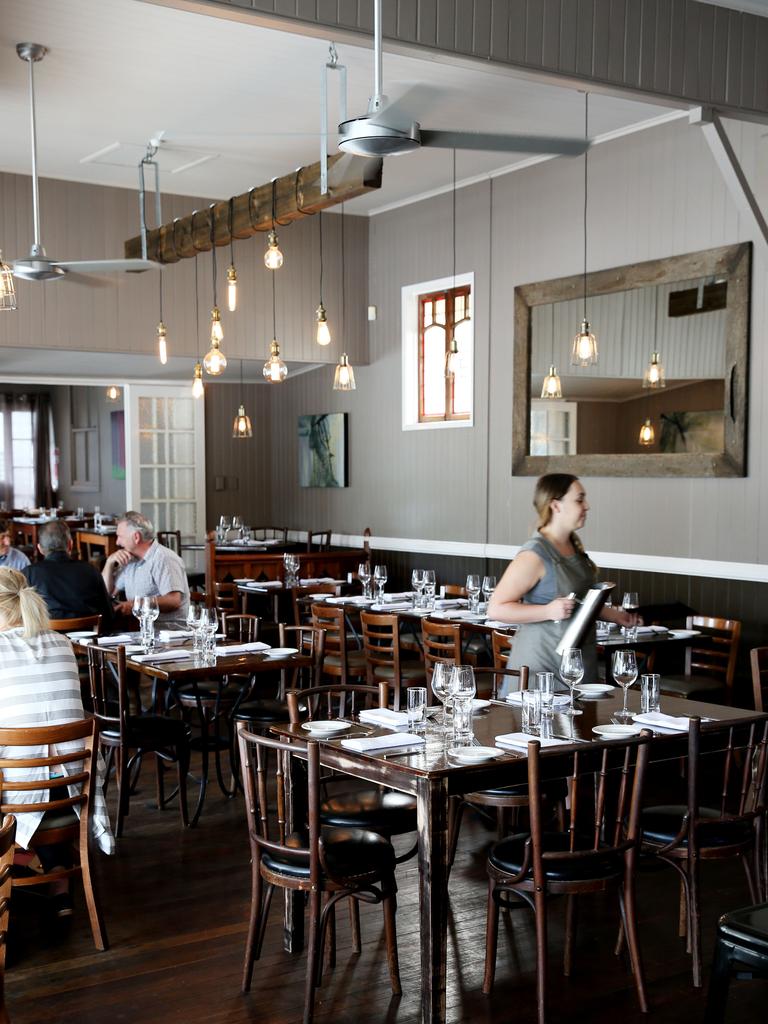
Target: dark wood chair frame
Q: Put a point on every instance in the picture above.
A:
(81, 623)
(381, 645)
(441, 642)
(170, 539)
(302, 611)
(718, 658)
(501, 646)
(758, 660)
(7, 839)
(333, 620)
(319, 540)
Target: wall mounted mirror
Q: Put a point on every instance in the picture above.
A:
(668, 393)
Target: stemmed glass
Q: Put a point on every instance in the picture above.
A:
(630, 604)
(472, 587)
(625, 673)
(441, 682)
(225, 525)
(136, 610)
(380, 579)
(429, 590)
(149, 613)
(462, 689)
(364, 575)
(417, 582)
(462, 683)
(572, 672)
(489, 585)
(194, 622)
(291, 564)
(237, 522)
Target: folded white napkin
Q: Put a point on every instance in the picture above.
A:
(167, 636)
(270, 584)
(113, 641)
(662, 722)
(348, 600)
(516, 697)
(312, 580)
(650, 630)
(392, 606)
(498, 624)
(162, 656)
(406, 595)
(383, 716)
(450, 602)
(254, 585)
(520, 740)
(223, 651)
(387, 742)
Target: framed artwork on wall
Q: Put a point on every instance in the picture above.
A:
(323, 450)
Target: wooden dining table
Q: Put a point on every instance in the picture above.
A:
(433, 778)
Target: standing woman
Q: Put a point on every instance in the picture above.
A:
(551, 565)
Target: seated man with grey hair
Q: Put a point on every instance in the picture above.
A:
(70, 589)
(144, 568)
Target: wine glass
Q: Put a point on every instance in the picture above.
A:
(572, 672)
(489, 585)
(380, 579)
(462, 683)
(237, 522)
(417, 582)
(625, 673)
(137, 610)
(441, 681)
(225, 525)
(429, 589)
(472, 587)
(630, 604)
(364, 575)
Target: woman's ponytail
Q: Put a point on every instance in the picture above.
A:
(21, 605)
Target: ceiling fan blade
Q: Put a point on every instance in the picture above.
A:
(404, 104)
(492, 143)
(106, 266)
(88, 281)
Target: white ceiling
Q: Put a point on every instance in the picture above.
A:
(119, 71)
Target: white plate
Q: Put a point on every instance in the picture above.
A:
(684, 634)
(280, 652)
(616, 732)
(81, 634)
(473, 755)
(244, 579)
(479, 705)
(319, 597)
(326, 728)
(133, 649)
(594, 689)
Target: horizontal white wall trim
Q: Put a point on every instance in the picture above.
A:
(749, 572)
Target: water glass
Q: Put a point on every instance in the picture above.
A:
(80, 513)
(380, 579)
(472, 587)
(650, 692)
(572, 672)
(489, 585)
(429, 590)
(417, 708)
(417, 582)
(364, 575)
(441, 678)
(631, 604)
(531, 713)
(462, 721)
(625, 673)
(291, 565)
(544, 685)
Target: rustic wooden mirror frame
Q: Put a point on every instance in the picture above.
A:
(731, 261)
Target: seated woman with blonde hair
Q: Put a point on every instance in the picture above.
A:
(40, 686)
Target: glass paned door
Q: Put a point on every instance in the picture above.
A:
(165, 456)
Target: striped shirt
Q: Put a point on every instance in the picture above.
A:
(158, 573)
(40, 686)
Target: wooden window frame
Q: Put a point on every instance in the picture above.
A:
(449, 295)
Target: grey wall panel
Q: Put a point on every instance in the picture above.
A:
(427, 27)
(500, 22)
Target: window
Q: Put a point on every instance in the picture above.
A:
(26, 428)
(553, 427)
(436, 313)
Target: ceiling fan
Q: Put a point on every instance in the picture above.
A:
(388, 129)
(38, 266)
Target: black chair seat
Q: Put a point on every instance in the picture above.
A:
(703, 688)
(409, 670)
(349, 853)
(208, 692)
(264, 710)
(347, 805)
(355, 659)
(508, 856)
(661, 824)
(557, 790)
(151, 731)
(747, 928)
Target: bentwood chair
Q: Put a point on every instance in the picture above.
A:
(384, 655)
(71, 752)
(319, 540)
(597, 853)
(328, 864)
(758, 659)
(120, 733)
(7, 838)
(170, 539)
(741, 946)
(279, 533)
(242, 628)
(731, 827)
(710, 669)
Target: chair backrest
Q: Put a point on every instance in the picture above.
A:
(603, 816)
(490, 679)
(301, 607)
(758, 658)
(381, 646)
(171, 539)
(243, 628)
(107, 697)
(719, 657)
(333, 621)
(454, 590)
(7, 839)
(325, 702)
(83, 622)
(309, 641)
(226, 597)
(501, 644)
(270, 533)
(318, 540)
(442, 642)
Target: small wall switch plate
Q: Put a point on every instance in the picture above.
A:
(371, 312)
(218, 483)
(234, 482)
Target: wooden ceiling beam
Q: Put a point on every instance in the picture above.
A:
(296, 195)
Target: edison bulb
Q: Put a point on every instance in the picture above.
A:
(452, 359)
(647, 434)
(162, 345)
(197, 382)
(215, 361)
(654, 376)
(273, 258)
(323, 331)
(217, 331)
(231, 288)
(275, 370)
(552, 387)
(113, 393)
(584, 351)
(344, 378)
(242, 424)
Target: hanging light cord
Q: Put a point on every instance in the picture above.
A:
(160, 275)
(231, 235)
(274, 315)
(320, 222)
(241, 383)
(454, 218)
(197, 313)
(586, 138)
(213, 252)
(343, 286)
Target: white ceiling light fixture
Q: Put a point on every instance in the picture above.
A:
(37, 266)
(584, 350)
(113, 393)
(388, 129)
(655, 375)
(344, 377)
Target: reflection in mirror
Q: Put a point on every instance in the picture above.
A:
(668, 394)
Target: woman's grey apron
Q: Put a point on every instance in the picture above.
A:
(535, 642)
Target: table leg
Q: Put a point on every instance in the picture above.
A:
(432, 812)
(295, 814)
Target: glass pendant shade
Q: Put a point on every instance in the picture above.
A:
(654, 376)
(551, 388)
(231, 288)
(584, 350)
(113, 393)
(273, 258)
(323, 331)
(275, 370)
(7, 287)
(344, 378)
(215, 361)
(162, 343)
(241, 427)
(647, 434)
(217, 331)
(197, 381)
(452, 359)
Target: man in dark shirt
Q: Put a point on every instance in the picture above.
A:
(70, 589)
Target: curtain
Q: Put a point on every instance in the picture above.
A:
(6, 453)
(43, 441)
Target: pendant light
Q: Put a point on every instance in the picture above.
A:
(647, 434)
(552, 388)
(231, 272)
(241, 425)
(215, 361)
(344, 377)
(197, 375)
(323, 336)
(452, 355)
(7, 288)
(162, 334)
(584, 351)
(113, 393)
(275, 370)
(654, 376)
(273, 258)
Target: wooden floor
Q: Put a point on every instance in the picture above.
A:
(176, 902)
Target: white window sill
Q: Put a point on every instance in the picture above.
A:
(440, 425)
